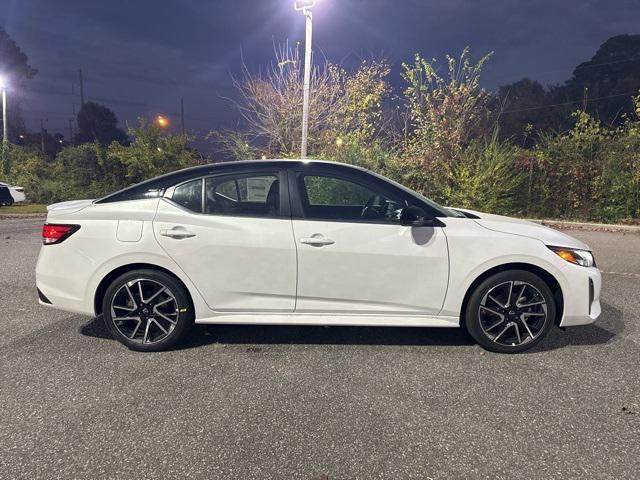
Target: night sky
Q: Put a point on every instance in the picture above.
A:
(140, 56)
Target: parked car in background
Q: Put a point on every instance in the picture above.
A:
(5, 196)
(307, 243)
(17, 193)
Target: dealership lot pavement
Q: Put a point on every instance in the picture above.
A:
(316, 403)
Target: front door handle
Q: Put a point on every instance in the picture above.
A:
(178, 233)
(317, 240)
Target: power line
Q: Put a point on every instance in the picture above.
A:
(589, 100)
(594, 65)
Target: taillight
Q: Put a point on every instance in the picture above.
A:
(52, 234)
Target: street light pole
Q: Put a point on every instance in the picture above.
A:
(5, 125)
(307, 81)
(5, 120)
(305, 6)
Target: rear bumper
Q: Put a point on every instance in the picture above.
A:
(61, 280)
(18, 197)
(581, 296)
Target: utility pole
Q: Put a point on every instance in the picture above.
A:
(42, 135)
(81, 88)
(71, 130)
(182, 115)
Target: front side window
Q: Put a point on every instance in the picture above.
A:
(189, 195)
(331, 198)
(243, 195)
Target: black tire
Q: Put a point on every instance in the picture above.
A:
(479, 318)
(183, 316)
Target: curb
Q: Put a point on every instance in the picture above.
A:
(17, 216)
(598, 227)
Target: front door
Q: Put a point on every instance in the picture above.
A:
(229, 235)
(353, 255)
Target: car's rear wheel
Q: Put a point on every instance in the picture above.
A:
(510, 312)
(147, 310)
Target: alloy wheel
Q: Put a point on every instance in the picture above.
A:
(513, 313)
(144, 311)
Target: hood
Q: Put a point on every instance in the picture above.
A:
(69, 207)
(516, 226)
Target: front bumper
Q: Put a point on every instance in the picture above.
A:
(581, 296)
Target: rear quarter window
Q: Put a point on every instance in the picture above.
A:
(189, 195)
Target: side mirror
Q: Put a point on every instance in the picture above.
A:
(416, 217)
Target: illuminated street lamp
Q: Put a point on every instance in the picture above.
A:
(305, 7)
(162, 121)
(5, 123)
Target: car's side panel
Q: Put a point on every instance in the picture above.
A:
(371, 268)
(237, 263)
(475, 250)
(69, 273)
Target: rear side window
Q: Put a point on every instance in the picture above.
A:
(189, 195)
(243, 195)
(132, 193)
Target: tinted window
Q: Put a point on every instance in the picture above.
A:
(132, 193)
(243, 195)
(189, 195)
(331, 198)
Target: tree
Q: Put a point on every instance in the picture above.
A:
(13, 61)
(609, 79)
(97, 123)
(527, 108)
(341, 104)
(445, 113)
(151, 153)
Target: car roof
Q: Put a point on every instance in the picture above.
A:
(180, 176)
(263, 164)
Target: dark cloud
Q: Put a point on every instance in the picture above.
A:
(141, 56)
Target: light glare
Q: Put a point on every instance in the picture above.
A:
(304, 4)
(162, 121)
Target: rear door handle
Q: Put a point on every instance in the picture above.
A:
(178, 233)
(317, 241)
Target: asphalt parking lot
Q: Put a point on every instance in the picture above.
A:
(316, 403)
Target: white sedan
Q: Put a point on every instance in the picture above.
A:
(17, 193)
(307, 243)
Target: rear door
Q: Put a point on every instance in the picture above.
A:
(354, 257)
(232, 235)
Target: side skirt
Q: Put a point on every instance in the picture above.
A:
(332, 320)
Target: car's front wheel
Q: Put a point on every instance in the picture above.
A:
(510, 312)
(147, 310)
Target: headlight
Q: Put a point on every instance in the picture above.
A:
(578, 257)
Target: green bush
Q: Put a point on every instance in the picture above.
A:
(486, 177)
(589, 173)
(90, 171)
